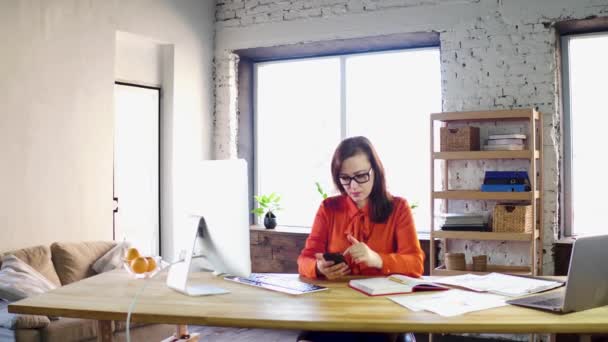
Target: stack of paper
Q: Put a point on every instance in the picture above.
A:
(499, 142)
(501, 284)
(464, 221)
(450, 303)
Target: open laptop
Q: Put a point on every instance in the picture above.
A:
(587, 284)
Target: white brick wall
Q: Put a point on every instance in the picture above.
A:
(495, 54)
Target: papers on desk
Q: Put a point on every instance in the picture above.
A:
(450, 303)
(500, 284)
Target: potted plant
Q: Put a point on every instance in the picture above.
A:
(320, 190)
(267, 206)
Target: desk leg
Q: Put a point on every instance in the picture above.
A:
(104, 331)
(182, 335)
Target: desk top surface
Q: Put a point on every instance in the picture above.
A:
(108, 296)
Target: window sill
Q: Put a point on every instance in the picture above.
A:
(567, 240)
(422, 236)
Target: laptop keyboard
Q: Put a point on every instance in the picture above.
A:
(549, 300)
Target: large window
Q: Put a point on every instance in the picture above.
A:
(585, 122)
(304, 107)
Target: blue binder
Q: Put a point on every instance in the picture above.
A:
(506, 181)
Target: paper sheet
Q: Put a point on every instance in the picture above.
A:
(450, 303)
(502, 284)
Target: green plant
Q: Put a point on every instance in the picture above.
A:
(414, 205)
(320, 190)
(267, 204)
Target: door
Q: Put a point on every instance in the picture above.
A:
(136, 167)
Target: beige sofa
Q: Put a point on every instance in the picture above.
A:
(65, 263)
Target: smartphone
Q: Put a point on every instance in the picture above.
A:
(335, 257)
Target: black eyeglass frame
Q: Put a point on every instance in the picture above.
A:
(366, 177)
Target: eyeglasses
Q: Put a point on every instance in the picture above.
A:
(360, 178)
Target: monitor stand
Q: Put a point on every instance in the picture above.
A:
(203, 290)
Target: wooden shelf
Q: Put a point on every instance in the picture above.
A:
(481, 195)
(531, 123)
(471, 155)
(521, 114)
(472, 235)
(521, 270)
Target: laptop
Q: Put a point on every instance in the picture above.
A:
(587, 284)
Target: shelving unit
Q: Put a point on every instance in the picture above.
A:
(534, 197)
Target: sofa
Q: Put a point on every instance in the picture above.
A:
(63, 263)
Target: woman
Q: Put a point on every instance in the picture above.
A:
(372, 229)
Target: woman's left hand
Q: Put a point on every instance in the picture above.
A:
(360, 252)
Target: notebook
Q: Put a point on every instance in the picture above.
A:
(393, 284)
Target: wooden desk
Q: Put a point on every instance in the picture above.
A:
(107, 297)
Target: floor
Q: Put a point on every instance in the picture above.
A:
(219, 334)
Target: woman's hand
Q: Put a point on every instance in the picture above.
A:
(329, 270)
(360, 252)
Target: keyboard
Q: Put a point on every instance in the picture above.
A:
(277, 282)
(551, 301)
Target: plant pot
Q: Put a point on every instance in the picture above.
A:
(270, 220)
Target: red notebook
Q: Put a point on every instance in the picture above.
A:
(393, 284)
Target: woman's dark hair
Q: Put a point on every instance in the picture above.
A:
(380, 201)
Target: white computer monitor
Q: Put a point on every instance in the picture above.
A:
(219, 193)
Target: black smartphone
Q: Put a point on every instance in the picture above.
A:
(335, 257)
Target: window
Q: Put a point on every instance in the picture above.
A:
(304, 107)
(585, 122)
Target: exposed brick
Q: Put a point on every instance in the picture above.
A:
(495, 60)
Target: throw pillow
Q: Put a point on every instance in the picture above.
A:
(112, 259)
(18, 321)
(19, 280)
(73, 260)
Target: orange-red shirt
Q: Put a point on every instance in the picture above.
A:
(395, 240)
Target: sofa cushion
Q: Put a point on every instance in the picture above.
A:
(17, 321)
(39, 257)
(19, 280)
(153, 332)
(73, 260)
(122, 325)
(112, 259)
(25, 335)
(69, 329)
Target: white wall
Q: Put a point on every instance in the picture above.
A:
(494, 55)
(56, 122)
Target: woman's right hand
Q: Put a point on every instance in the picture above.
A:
(329, 270)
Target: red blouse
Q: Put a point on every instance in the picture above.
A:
(395, 240)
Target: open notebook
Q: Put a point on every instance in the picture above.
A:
(393, 284)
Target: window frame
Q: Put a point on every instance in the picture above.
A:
(567, 228)
(248, 57)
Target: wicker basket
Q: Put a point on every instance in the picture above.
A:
(455, 261)
(512, 218)
(459, 139)
(480, 263)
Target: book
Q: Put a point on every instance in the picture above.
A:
(511, 147)
(505, 188)
(508, 136)
(466, 228)
(393, 284)
(506, 141)
(501, 284)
